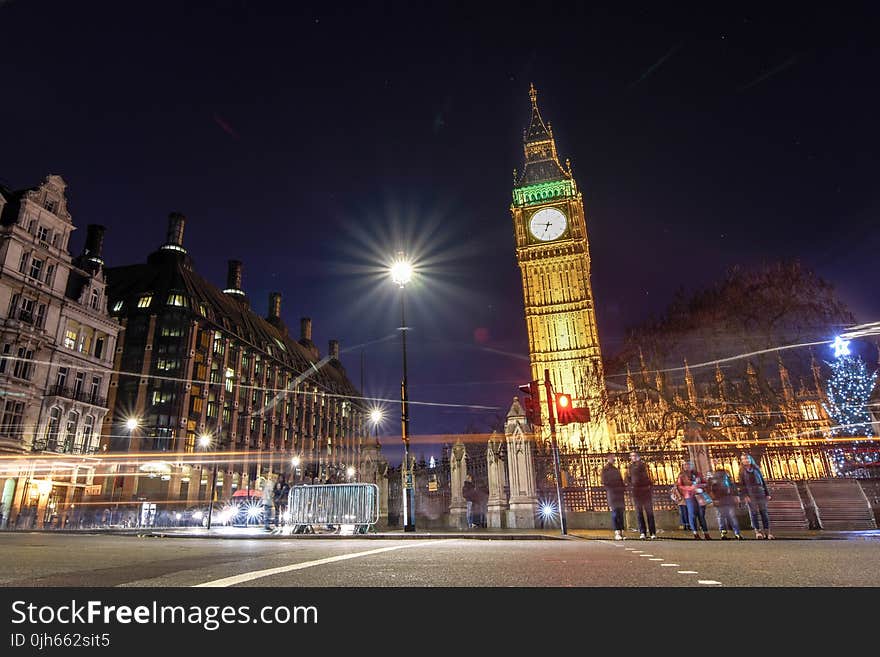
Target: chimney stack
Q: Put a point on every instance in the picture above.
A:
(233, 279)
(305, 333)
(174, 236)
(333, 349)
(274, 306)
(94, 243)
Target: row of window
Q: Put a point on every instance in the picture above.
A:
(808, 412)
(44, 234)
(84, 339)
(146, 300)
(78, 382)
(36, 268)
(71, 440)
(17, 362)
(27, 310)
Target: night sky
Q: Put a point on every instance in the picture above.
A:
(314, 142)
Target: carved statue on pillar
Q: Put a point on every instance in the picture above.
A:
(523, 500)
(458, 471)
(496, 511)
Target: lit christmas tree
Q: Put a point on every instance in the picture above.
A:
(848, 393)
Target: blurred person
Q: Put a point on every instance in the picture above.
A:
(267, 501)
(280, 491)
(468, 492)
(725, 495)
(615, 487)
(639, 480)
(753, 489)
(690, 485)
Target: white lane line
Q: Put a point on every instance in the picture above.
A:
(687, 572)
(655, 559)
(646, 555)
(710, 582)
(666, 565)
(257, 574)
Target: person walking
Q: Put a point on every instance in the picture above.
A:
(279, 497)
(639, 480)
(615, 487)
(468, 492)
(755, 494)
(725, 495)
(690, 485)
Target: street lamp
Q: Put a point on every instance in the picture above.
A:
(294, 463)
(376, 418)
(401, 274)
(205, 441)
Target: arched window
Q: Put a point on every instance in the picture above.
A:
(52, 428)
(88, 430)
(95, 300)
(70, 433)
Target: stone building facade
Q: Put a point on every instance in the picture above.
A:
(56, 347)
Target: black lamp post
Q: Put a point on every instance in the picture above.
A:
(401, 273)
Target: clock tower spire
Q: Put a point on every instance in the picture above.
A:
(554, 258)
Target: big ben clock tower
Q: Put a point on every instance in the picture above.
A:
(554, 257)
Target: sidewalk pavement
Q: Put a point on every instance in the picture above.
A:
(748, 535)
(480, 534)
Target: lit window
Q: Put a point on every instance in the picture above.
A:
(117, 306)
(70, 339)
(175, 299)
(145, 301)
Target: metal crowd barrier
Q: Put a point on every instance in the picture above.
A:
(353, 506)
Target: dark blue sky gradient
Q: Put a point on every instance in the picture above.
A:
(311, 143)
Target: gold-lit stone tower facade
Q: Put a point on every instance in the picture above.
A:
(553, 254)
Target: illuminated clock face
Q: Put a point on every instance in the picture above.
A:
(548, 224)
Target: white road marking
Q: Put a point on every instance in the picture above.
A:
(646, 555)
(687, 572)
(655, 559)
(711, 582)
(666, 565)
(257, 574)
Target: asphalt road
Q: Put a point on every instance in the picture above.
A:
(42, 559)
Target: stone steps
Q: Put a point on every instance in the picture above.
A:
(841, 504)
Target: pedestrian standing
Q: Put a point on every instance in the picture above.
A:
(676, 496)
(615, 488)
(481, 502)
(468, 492)
(279, 497)
(267, 501)
(753, 489)
(690, 485)
(724, 494)
(639, 480)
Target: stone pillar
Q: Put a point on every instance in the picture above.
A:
(458, 471)
(496, 511)
(374, 470)
(523, 500)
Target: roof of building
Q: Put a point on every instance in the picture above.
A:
(171, 272)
